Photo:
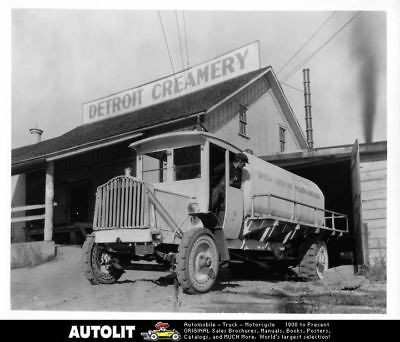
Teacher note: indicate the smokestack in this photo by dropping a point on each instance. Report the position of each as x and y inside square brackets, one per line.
[307, 107]
[37, 132]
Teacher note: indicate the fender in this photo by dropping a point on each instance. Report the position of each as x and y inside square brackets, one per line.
[222, 246]
[211, 222]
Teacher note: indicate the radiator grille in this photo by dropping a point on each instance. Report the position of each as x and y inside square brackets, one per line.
[120, 203]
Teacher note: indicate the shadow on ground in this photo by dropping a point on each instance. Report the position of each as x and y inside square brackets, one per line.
[251, 288]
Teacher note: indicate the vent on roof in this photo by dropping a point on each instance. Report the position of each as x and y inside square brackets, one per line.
[37, 134]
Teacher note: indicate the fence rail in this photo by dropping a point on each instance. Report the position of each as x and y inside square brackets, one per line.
[30, 217]
[27, 207]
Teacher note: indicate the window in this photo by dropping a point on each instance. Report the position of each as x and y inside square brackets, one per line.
[187, 163]
[154, 167]
[243, 120]
[282, 138]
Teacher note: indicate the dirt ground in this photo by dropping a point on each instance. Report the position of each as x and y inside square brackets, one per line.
[60, 285]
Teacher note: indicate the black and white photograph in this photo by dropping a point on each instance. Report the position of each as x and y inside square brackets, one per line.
[184, 160]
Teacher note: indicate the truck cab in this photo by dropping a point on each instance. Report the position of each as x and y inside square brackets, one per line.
[184, 163]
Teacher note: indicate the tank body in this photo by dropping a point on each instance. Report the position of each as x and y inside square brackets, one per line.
[261, 177]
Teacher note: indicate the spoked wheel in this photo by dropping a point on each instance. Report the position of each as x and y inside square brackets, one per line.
[314, 260]
[98, 264]
[197, 261]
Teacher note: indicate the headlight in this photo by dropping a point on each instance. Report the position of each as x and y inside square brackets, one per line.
[193, 206]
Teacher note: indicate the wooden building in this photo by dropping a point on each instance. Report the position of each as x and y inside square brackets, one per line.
[56, 179]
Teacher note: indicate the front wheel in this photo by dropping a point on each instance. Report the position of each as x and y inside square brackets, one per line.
[97, 263]
[154, 337]
[314, 260]
[197, 261]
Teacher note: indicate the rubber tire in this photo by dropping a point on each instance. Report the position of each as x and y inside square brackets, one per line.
[176, 337]
[307, 269]
[184, 261]
[91, 269]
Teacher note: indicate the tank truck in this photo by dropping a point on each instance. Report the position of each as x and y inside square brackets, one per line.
[163, 215]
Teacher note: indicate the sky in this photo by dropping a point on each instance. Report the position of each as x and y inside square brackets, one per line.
[63, 58]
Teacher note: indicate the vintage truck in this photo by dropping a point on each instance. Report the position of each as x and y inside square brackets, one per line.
[163, 215]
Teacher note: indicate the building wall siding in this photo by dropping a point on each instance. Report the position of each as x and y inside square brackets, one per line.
[264, 117]
[373, 175]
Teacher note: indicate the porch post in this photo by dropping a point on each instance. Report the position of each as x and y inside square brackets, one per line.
[49, 199]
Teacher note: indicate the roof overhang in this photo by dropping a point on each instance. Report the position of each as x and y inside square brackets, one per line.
[73, 151]
[330, 154]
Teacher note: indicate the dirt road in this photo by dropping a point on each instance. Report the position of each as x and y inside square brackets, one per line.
[60, 285]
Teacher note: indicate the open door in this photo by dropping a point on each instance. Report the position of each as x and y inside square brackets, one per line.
[233, 206]
[359, 244]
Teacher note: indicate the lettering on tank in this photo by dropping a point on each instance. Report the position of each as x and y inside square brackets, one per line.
[285, 184]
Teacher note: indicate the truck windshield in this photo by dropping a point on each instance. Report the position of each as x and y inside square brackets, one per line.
[154, 167]
[187, 163]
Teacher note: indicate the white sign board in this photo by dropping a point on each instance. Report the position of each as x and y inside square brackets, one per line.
[217, 70]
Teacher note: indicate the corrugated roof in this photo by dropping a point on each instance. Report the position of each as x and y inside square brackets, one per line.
[124, 124]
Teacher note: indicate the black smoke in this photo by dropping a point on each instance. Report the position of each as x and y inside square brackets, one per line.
[368, 37]
[369, 96]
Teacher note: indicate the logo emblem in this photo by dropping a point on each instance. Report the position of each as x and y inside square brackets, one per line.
[161, 332]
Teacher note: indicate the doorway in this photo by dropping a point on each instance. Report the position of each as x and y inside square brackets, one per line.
[79, 202]
[334, 178]
[217, 175]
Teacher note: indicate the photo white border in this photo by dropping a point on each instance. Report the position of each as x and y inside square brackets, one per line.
[392, 7]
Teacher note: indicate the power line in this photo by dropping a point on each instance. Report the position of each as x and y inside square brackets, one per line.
[169, 55]
[166, 43]
[290, 86]
[187, 59]
[180, 40]
[184, 30]
[183, 62]
[305, 44]
[300, 65]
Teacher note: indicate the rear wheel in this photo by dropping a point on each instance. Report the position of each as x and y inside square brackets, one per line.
[176, 337]
[98, 264]
[197, 261]
[314, 260]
